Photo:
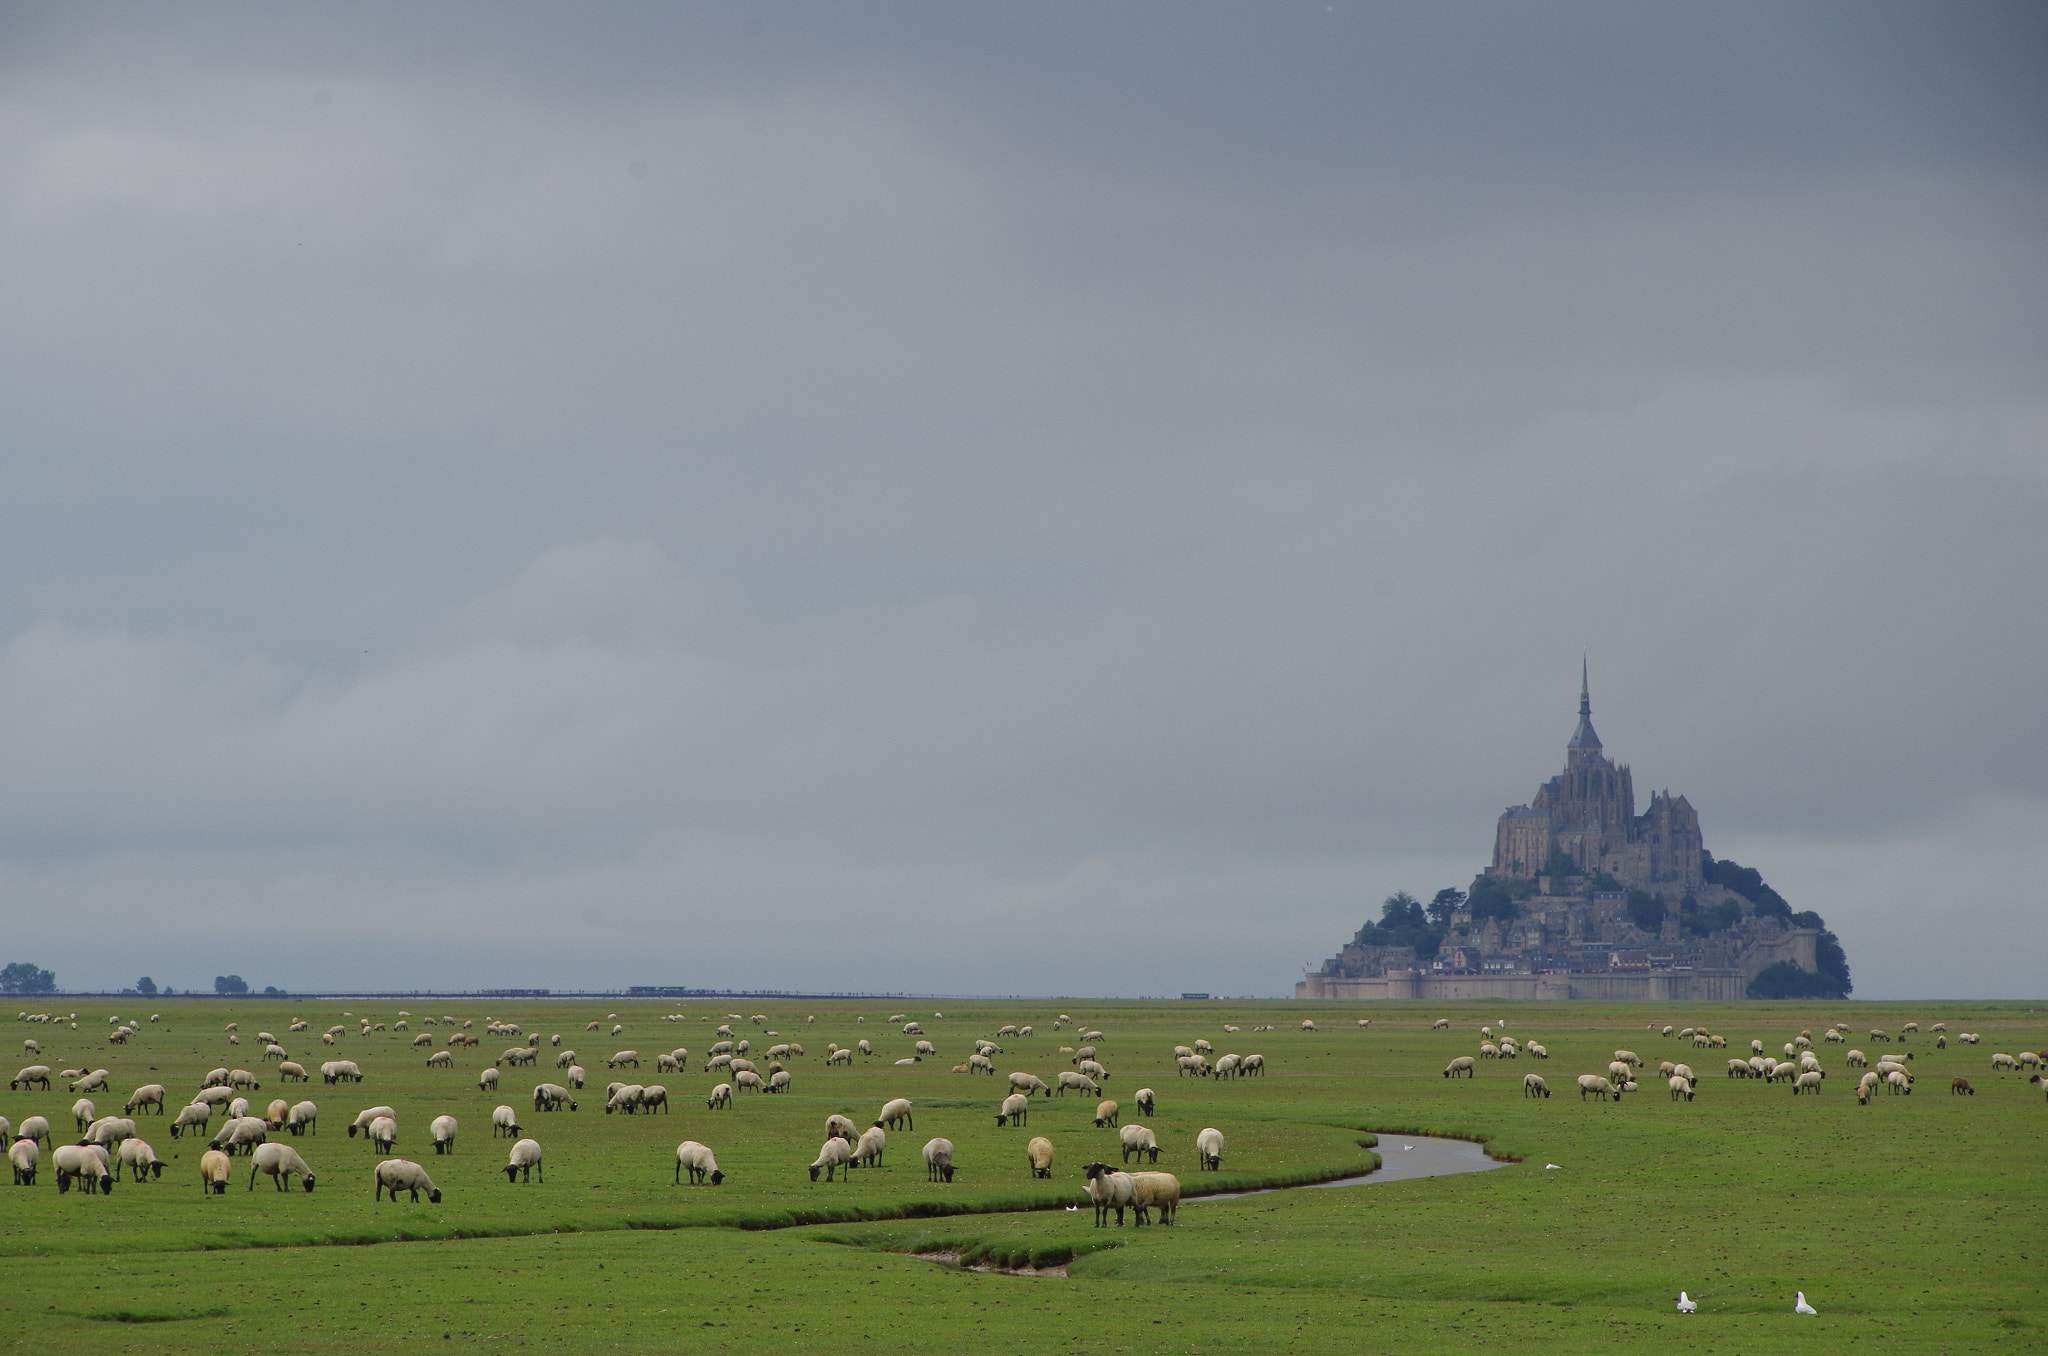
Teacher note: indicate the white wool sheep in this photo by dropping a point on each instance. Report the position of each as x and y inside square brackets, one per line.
[24, 1155]
[1106, 1114]
[868, 1152]
[1463, 1064]
[85, 1164]
[109, 1130]
[96, 1081]
[442, 1132]
[697, 1160]
[242, 1132]
[383, 1133]
[304, 1117]
[1138, 1139]
[1110, 1189]
[84, 1112]
[835, 1154]
[1595, 1085]
[487, 1080]
[842, 1127]
[524, 1159]
[337, 1071]
[938, 1160]
[1896, 1082]
[1534, 1086]
[1038, 1155]
[291, 1071]
[895, 1114]
[140, 1160]
[274, 1114]
[238, 1108]
[193, 1117]
[397, 1174]
[623, 1058]
[552, 1097]
[282, 1163]
[1681, 1091]
[1144, 1098]
[625, 1098]
[365, 1116]
[721, 1096]
[1440, 1024]
[1809, 1081]
[1152, 1191]
[1016, 1110]
[1209, 1149]
[214, 1170]
[504, 1122]
[1618, 1070]
[1028, 1084]
[1068, 1080]
[149, 1094]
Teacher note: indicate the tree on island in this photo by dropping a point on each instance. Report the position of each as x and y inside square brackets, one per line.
[25, 977]
[226, 985]
[145, 985]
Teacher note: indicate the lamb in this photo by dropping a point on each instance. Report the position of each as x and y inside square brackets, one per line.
[1038, 1155]
[442, 1132]
[383, 1133]
[302, 1118]
[1597, 1086]
[24, 1154]
[938, 1160]
[524, 1159]
[35, 1128]
[1138, 1139]
[1463, 1064]
[1155, 1191]
[1110, 1189]
[281, 1162]
[835, 1154]
[895, 1114]
[363, 1118]
[214, 1170]
[840, 1126]
[1209, 1149]
[721, 1096]
[149, 1094]
[873, 1140]
[2004, 1063]
[1016, 1110]
[1534, 1086]
[397, 1174]
[1105, 1114]
[85, 1164]
[1143, 1097]
[1961, 1087]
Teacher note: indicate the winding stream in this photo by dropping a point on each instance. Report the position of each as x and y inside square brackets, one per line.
[1401, 1157]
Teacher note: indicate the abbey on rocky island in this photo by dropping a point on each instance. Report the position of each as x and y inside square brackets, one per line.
[1585, 899]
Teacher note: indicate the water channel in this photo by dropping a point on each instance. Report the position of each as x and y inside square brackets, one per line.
[1402, 1157]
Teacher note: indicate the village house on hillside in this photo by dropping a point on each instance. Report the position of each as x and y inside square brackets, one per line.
[1585, 899]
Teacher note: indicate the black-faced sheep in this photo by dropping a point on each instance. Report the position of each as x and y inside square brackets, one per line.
[698, 1160]
[24, 1155]
[1534, 1086]
[938, 1160]
[281, 1162]
[835, 1154]
[895, 1114]
[1016, 1110]
[1152, 1191]
[442, 1132]
[85, 1164]
[397, 1174]
[215, 1168]
[525, 1158]
[1110, 1189]
[1138, 1139]
[1209, 1149]
[1038, 1155]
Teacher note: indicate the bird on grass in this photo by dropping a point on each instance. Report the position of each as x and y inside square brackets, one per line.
[1800, 1306]
[1686, 1305]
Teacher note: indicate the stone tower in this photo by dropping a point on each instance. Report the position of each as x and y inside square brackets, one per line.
[1588, 814]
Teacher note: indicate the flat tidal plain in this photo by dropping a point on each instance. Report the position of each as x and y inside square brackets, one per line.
[1917, 1221]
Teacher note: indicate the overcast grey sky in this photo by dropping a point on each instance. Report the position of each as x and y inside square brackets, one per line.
[1065, 499]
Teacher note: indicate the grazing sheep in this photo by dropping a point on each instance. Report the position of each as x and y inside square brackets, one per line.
[525, 1157]
[487, 1081]
[623, 1058]
[238, 1108]
[368, 1114]
[1463, 1064]
[873, 1140]
[1028, 1084]
[85, 1164]
[1154, 1191]
[568, 1057]
[2004, 1063]
[1110, 1189]
[835, 1154]
[1077, 1082]
[1440, 1024]
[35, 1128]
[625, 1097]
[242, 1078]
[844, 1055]
[1896, 1082]
[697, 1160]
[749, 1081]
[84, 1112]
[938, 1160]
[214, 1170]
[1209, 1149]
[577, 1076]
[553, 1096]
[240, 1132]
[895, 1114]
[291, 1071]
[397, 1174]
[340, 1071]
[1105, 1114]
[1597, 1086]
[1138, 1139]
[1038, 1155]
[840, 1126]
[442, 1132]
[149, 1094]
[1809, 1081]
[1143, 1097]
[1961, 1087]
[721, 1096]
[1016, 1110]
[24, 1155]
[96, 1081]
[304, 1117]
[281, 1162]
[1681, 1091]
[193, 1117]
[383, 1133]
[504, 1122]
[1534, 1086]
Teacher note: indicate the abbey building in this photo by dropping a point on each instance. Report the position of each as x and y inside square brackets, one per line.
[1584, 898]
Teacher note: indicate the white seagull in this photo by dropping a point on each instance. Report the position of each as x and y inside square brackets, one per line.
[1800, 1306]
[1685, 1305]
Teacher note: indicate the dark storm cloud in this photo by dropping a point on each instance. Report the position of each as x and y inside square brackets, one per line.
[937, 484]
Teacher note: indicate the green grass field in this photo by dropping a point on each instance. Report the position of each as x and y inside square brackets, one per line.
[1915, 1221]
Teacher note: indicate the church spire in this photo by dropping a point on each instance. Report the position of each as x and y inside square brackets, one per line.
[1583, 737]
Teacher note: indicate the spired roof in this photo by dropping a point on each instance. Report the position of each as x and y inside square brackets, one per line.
[1583, 737]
